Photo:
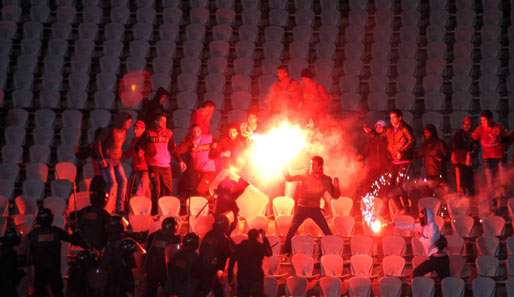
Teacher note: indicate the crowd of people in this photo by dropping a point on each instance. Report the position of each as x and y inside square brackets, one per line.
[188, 266]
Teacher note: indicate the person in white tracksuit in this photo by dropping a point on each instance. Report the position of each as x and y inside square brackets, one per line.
[433, 243]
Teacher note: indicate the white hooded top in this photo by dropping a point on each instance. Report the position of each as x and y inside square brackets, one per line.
[429, 233]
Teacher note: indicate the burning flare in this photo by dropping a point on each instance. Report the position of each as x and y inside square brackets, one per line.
[271, 152]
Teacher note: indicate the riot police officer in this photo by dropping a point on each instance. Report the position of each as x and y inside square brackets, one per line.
[10, 273]
[215, 249]
[157, 245]
[45, 253]
[92, 220]
[185, 268]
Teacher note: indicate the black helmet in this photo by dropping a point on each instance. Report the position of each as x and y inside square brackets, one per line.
[44, 217]
[169, 224]
[221, 223]
[98, 191]
[11, 237]
[128, 245]
[191, 241]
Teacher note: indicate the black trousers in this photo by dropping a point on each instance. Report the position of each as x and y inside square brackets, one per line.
[466, 179]
[439, 265]
[45, 279]
[247, 286]
[300, 215]
[162, 184]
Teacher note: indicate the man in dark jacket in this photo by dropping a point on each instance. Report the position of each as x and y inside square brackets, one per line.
[463, 147]
[215, 249]
[249, 256]
[45, 253]
[157, 245]
[434, 153]
[310, 190]
[377, 157]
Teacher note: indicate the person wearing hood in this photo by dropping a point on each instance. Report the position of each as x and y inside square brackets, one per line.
[433, 243]
[434, 152]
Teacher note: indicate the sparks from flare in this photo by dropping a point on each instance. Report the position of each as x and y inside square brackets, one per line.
[271, 152]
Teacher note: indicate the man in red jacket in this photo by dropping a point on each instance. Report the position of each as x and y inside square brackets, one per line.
[492, 138]
[159, 146]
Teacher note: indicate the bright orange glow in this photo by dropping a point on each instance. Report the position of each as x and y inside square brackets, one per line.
[376, 226]
[271, 152]
[133, 87]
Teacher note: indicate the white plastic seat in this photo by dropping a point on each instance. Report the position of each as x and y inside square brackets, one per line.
[172, 15]
[168, 32]
[186, 100]
[199, 15]
[33, 188]
[169, 206]
[140, 205]
[431, 203]
[302, 244]
[165, 48]
[218, 48]
[9, 171]
[303, 265]
[248, 33]
[296, 286]
[463, 225]
[88, 31]
[423, 287]
[243, 66]
[241, 83]
[278, 17]
[6, 188]
[282, 224]
[493, 226]
[43, 136]
[452, 287]
[217, 65]
[487, 266]
[39, 153]
[114, 31]
[61, 31]
[332, 265]
[483, 287]
[225, 16]
[17, 117]
[222, 32]
[332, 245]
[283, 206]
[14, 135]
[36, 171]
[12, 154]
[359, 287]
[39, 13]
[32, 30]
[252, 203]
[343, 226]
[361, 245]
[390, 286]
[78, 201]
[141, 222]
[341, 206]
[241, 100]
[142, 31]
[92, 14]
[145, 15]
[202, 224]
[57, 47]
[66, 152]
[455, 244]
[330, 17]
[393, 245]
[66, 170]
[393, 265]
[61, 188]
[487, 245]
[120, 15]
[330, 286]
[192, 48]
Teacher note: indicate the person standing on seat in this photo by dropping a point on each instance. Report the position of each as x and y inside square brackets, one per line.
[310, 190]
[159, 146]
[316, 100]
[249, 255]
[215, 249]
[462, 150]
[139, 183]
[202, 116]
[284, 97]
[45, 254]
[156, 261]
[492, 137]
[434, 153]
[109, 147]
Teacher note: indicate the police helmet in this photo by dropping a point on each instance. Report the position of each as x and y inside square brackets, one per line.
[44, 217]
[169, 224]
[191, 241]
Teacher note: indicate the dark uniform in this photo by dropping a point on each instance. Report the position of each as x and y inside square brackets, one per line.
[45, 252]
[155, 264]
[185, 269]
[118, 264]
[215, 249]
[227, 193]
[91, 223]
[250, 276]
[10, 273]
